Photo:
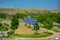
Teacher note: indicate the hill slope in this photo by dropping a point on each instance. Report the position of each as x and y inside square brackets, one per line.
[26, 10]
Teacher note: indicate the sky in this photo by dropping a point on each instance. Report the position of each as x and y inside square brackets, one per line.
[44, 4]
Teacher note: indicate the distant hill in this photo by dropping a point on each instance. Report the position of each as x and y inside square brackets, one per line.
[26, 10]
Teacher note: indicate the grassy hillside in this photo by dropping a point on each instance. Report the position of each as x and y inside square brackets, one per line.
[26, 10]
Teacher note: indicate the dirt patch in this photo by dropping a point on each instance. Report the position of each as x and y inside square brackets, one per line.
[22, 29]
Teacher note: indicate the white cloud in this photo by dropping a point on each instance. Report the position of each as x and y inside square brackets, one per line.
[7, 6]
[4, 6]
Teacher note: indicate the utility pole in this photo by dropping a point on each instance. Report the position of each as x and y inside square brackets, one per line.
[58, 6]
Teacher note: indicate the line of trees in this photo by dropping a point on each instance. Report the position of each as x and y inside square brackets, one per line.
[46, 19]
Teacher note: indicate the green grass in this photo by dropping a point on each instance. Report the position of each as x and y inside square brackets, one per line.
[33, 35]
[55, 30]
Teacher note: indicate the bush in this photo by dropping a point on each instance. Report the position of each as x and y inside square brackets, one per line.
[10, 33]
[33, 35]
[4, 28]
[55, 30]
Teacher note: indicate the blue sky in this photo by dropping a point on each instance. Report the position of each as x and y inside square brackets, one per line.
[44, 4]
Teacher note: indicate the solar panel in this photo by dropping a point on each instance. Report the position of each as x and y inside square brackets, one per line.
[30, 20]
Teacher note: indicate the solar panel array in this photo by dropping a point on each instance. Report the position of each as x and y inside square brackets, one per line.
[30, 20]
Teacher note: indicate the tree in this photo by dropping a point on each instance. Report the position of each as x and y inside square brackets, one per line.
[14, 23]
[57, 18]
[41, 17]
[3, 15]
[48, 24]
[53, 16]
[20, 15]
[46, 20]
[36, 28]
